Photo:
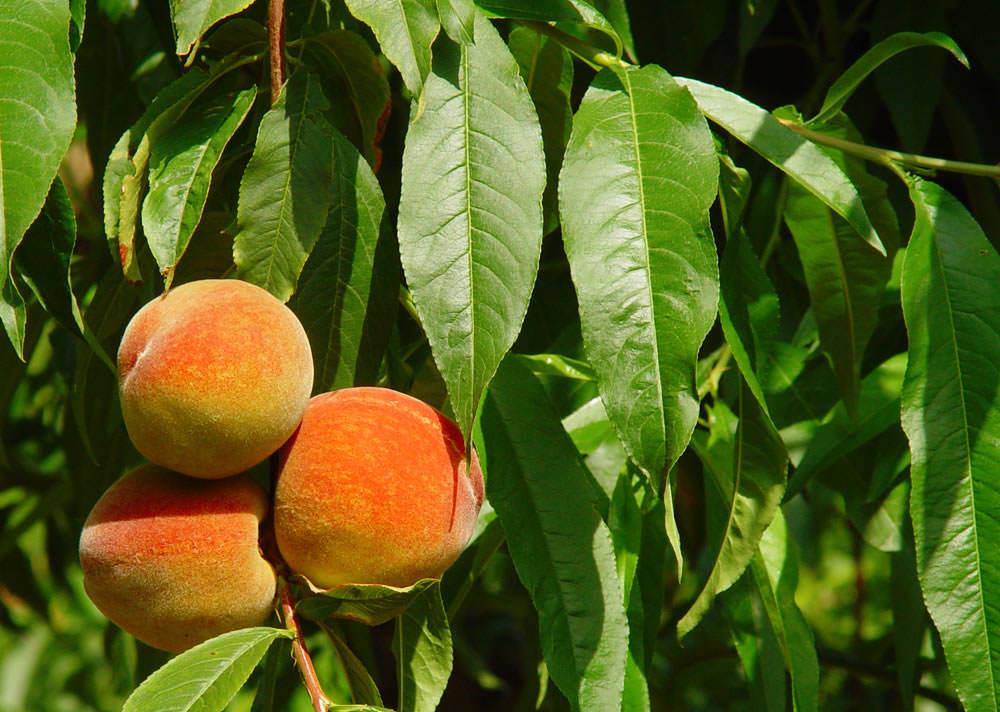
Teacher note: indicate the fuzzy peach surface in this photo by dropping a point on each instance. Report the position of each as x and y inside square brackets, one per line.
[213, 376]
[175, 560]
[373, 488]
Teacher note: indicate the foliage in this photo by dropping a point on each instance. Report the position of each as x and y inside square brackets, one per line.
[731, 370]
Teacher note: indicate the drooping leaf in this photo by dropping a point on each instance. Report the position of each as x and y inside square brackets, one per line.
[364, 691]
[405, 29]
[458, 19]
[192, 18]
[349, 69]
[909, 618]
[348, 288]
[572, 13]
[561, 549]
[37, 118]
[180, 173]
[745, 461]
[204, 678]
[423, 650]
[798, 158]
[285, 189]
[617, 14]
[277, 657]
[470, 213]
[839, 434]
[639, 175]
[952, 419]
[840, 91]
[547, 70]
[756, 645]
[775, 571]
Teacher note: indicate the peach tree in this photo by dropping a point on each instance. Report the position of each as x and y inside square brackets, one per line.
[712, 289]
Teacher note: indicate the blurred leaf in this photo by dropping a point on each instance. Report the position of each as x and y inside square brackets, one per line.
[754, 17]
[348, 68]
[422, 646]
[470, 213]
[192, 18]
[207, 676]
[639, 175]
[909, 618]
[285, 189]
[405, 31]
[264, 699]
[839, 434]
[573, 13]
[37, 118]
[180, 174]
[560, 547]
[756, 645]
[775, 573]
[458, 19]
[798, 158]
[345, 273]
[846, 83]
[745, 461]
[371, 604]
[547, 70]
[951, 416]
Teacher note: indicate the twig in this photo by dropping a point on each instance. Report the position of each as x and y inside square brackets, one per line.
[276, 44]
[320, 702]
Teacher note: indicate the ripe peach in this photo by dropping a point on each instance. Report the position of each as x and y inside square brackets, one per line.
[175, 560]
[214, 376]
[374, 488]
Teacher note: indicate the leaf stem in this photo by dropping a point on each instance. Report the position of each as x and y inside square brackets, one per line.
[888, 157]
[320, 702]
[588, 53]
[276, 44]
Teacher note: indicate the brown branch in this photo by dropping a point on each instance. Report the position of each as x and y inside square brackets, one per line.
[320, 702]
[276, 43]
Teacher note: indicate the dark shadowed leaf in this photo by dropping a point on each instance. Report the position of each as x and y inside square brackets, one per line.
[285, 190]
[639, 175]
[423, 650]
[470, 213]
[371, 604]
[348, 282]
[760, 655]
[204, 678]
[364, 691]
[405, 30]
[573, 13]
[951, 417]
[797, 157]
[180, 173]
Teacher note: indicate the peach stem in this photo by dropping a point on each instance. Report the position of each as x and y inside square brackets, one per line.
[320, 702]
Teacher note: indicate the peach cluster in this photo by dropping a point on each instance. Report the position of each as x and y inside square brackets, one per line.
[373, 486]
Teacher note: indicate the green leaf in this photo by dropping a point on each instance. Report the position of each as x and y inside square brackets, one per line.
[560, 547]
[180, 174]
[371, 604]
[617, 14]
[192, 18]
[206, 677]
[756, 645]
[285, 189]
[952, 419]
[37, 119]
[798, 158]
[748, 311]
[572, 13]
[909, 618]
[639, 175]
[556, 365]
[349, 69]
[422, 646]
[275, 661]
[839, 435]
[364, 691]
[775, 571]
[346, 281]
[845, 277]
[405, 29]
[458, 19]
[846, 83]
[470, 213]
[745, 461]
[547, 70]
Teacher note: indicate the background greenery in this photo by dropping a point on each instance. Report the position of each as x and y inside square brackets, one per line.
[744, 455]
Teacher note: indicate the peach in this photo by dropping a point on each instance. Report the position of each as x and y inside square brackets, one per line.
[374, 488]
[214, 376]
[175, 560]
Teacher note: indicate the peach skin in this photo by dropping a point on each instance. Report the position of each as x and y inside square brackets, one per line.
[214, 376]
[373, 488]
[175, 560]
